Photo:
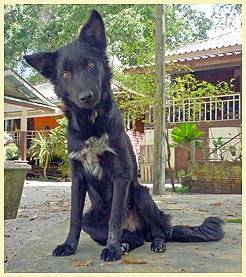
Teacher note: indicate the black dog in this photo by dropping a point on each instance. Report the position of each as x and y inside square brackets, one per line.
[122, 214]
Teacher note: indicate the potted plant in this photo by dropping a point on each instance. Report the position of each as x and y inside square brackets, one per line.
[14, 177]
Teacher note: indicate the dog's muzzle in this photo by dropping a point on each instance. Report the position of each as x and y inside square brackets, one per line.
[86, 96]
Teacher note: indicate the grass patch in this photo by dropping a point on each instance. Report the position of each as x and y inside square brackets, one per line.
[233, 220]
[182, 189]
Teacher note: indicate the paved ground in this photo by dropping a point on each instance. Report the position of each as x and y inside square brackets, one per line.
[42, 223]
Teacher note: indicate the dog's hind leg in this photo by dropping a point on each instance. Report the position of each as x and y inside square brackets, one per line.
[95, 223]
[130, 240]
[153, 217]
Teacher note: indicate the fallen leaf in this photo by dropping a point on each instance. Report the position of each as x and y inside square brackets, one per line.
[171, 202]
[9, 257]
[216, 204]
[202, 210]
[81, 263]
[230, 214]
[22, 215]
[130, 260]
[32, 218]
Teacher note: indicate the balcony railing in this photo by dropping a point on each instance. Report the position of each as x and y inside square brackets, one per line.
[29, 135]
[209, 108]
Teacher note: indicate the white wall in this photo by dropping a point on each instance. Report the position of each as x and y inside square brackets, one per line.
[149, 140]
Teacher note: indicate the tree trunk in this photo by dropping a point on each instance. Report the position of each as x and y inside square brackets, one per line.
[169, 162]
[159, 103]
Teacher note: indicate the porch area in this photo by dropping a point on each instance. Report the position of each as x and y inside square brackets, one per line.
[217, 116]
[202, 109]
[23, 102]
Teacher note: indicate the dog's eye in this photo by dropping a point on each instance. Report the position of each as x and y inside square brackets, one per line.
[90, 64]
[66, 74]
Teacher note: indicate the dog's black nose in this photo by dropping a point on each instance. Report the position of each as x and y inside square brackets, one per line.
[86, 96]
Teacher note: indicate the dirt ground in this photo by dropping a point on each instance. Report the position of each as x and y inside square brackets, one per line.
[43, 220]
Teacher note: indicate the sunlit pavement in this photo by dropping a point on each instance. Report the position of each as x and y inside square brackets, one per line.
[43, 221]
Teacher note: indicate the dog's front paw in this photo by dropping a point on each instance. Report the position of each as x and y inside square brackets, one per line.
[111, 253]
[158, 245]
[63, 250]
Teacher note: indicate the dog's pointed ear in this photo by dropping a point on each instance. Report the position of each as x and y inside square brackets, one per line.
[44, 62]
[93, 31]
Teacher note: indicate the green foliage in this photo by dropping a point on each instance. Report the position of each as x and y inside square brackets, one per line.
[222, 149]
[143, 87]
[185, 133]
[129, 28]
[53, 144]
[187, 86]
[181, 173]
[182, 87]
[232, 150]
[226, 15]
[59, 139]
[199, 144]
[184, 189]
[217, 143]
[41, 151]
[219, 147]
[12, 152]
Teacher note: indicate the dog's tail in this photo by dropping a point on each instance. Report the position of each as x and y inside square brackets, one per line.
[209, 230]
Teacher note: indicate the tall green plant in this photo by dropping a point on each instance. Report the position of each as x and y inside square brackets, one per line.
[54, 144]
[41, 151]
[184, 135]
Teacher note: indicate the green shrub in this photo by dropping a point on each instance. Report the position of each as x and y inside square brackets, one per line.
[12, 152]
[41, 151]
[59, 139]
[45, 147]
[183, 189]
[186, 133]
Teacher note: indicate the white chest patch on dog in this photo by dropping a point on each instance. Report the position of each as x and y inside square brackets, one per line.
[89, 154]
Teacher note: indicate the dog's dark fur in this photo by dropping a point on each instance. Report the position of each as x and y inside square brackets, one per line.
[122, 214]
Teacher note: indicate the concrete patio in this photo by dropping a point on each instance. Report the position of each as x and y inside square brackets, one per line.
[43, 221]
